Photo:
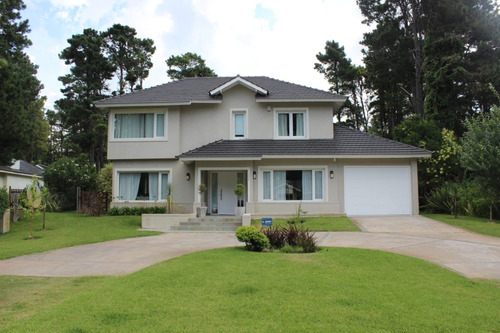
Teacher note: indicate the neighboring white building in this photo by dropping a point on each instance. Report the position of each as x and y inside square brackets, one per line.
[19, 174]
[275, 137]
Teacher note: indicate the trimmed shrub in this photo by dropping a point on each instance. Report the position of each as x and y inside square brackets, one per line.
[127, 211]
[4, 201]
[254, 239]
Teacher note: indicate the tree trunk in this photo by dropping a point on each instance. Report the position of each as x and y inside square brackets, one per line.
[418, 59]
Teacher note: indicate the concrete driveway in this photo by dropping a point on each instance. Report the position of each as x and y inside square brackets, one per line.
[467, 253]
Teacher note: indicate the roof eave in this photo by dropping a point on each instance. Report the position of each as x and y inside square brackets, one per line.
[159, 104]
[297, 100]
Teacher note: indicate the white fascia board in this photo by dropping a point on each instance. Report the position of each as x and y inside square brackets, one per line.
[343, 156]
[133, 105]
[267, 100]
[195, 159]
[242, 81]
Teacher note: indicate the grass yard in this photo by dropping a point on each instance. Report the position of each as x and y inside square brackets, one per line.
[476, 224]
[338, 223]
[67, 229]
[232, 290]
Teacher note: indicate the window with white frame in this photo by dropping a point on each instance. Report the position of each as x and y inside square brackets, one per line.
[283, 185]
[291, 123]
[239, 124]
[139, 125]
[143, 186]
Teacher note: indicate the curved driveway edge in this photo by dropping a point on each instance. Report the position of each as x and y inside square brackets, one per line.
[469, 254]
[117, 257]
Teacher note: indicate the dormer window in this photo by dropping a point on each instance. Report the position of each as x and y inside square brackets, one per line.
[291, 123]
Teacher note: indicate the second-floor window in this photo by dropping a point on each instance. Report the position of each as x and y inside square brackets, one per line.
[239, 124]
[291, 123]
[139, 125]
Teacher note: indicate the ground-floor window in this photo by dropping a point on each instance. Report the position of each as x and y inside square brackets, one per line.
[282, 185]
[145, 186]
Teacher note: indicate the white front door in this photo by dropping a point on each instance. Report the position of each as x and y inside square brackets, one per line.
[223, 198]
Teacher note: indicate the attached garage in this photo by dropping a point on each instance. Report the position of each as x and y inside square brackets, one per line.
[377, 190]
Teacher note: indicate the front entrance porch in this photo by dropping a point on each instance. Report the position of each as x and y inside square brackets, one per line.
[219, 197]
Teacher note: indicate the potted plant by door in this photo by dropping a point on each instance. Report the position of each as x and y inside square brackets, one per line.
[202, 211]
[239, 190]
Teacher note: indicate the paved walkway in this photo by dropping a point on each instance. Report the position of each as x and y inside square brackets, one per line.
[467, 253]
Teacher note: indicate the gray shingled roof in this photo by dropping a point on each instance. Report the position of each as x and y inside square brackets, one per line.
[197, 89]
[24, 168]
[346, 142]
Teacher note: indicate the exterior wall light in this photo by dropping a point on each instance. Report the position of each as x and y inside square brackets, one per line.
[255, 175]
[331, 174]
[188, 176]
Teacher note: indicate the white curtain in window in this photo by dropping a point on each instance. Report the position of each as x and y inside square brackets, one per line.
[147, 125]
[128, 185]
[239, 125]
[299, 124]
[318, 184]
[283, 124]
[164, 186]
[266, 179]
[153, 186]
[160, 125]
[307, 187]
[279, 180]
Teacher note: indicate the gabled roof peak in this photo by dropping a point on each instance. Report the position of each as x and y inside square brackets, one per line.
[238, 80]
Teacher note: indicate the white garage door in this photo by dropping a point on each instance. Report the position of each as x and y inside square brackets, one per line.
[377, 190]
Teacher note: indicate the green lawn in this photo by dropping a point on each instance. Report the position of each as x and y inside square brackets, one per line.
[231, 290]
[340, 223]
[476, 224]
[67, 229]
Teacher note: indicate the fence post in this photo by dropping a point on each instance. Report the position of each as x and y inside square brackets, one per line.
[78, 199]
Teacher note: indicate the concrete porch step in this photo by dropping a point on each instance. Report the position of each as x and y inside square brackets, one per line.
[210, 223]
[204, 228]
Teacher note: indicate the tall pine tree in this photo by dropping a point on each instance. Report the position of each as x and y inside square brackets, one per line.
[23, 130]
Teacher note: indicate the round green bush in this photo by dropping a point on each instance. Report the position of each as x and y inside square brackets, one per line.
[254, 239]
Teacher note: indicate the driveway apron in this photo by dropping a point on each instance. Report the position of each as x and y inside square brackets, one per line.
[467, 253]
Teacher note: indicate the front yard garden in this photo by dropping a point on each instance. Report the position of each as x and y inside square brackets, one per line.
[232, 290]
[67, 229]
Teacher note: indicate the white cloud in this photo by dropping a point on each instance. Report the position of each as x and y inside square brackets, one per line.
[277, 38]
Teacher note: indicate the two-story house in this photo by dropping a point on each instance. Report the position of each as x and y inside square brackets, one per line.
[275, 137]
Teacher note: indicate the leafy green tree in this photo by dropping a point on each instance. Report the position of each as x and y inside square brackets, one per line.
[20, 103]
[130, 55]
[431, 58]
[346, 79]
[188, 65]
[65, 175]
[481, 153]
[87, 82]
[32, 202]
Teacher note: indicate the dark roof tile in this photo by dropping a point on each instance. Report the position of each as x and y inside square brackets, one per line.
[346, 142]
[197, 89]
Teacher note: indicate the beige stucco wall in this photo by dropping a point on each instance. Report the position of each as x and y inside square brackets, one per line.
[186, 197]
[195, 125]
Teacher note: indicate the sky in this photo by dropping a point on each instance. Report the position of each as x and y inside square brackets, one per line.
[275, 38]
